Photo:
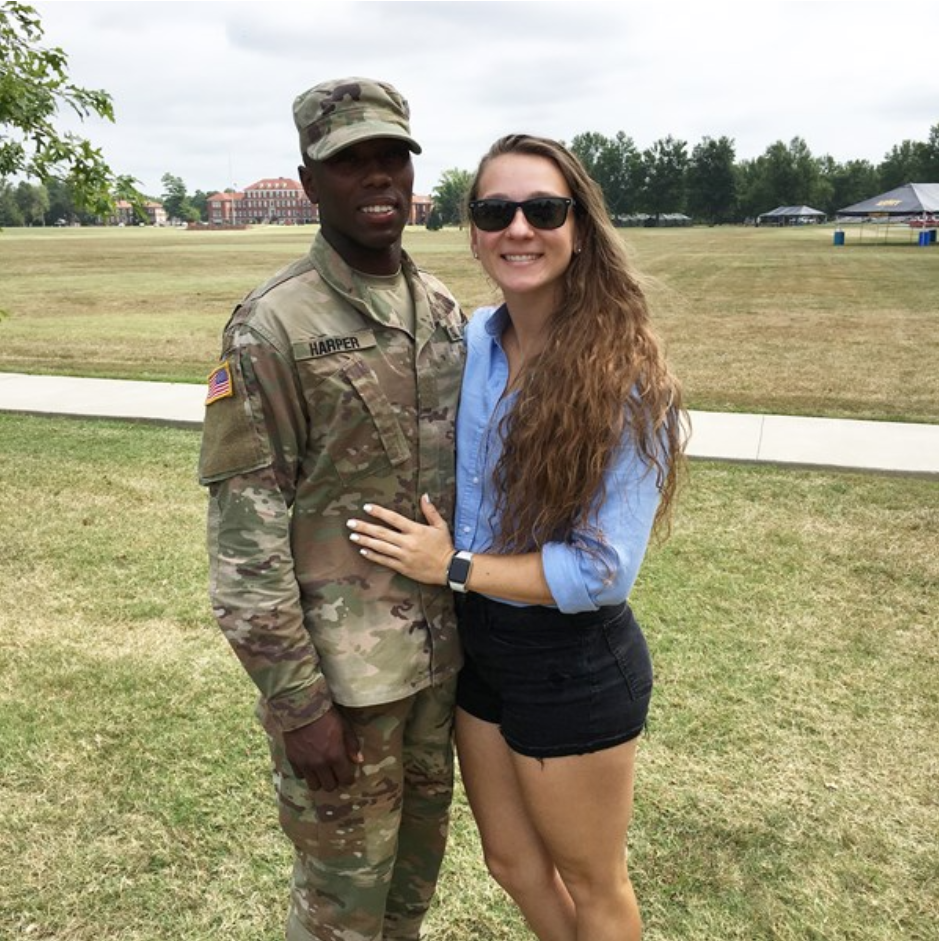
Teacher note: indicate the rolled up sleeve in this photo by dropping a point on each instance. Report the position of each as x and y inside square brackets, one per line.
[586, 572]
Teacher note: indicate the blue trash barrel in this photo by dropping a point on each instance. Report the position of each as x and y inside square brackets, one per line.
[932, 235]
[924, 238]
[839, 237]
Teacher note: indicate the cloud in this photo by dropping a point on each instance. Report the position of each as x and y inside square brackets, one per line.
[204, 90]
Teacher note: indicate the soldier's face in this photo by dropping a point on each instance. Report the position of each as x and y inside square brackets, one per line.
[364, 196]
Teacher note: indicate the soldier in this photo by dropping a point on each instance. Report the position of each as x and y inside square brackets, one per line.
[338, 385]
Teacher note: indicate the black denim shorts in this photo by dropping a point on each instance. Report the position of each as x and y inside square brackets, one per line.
[556, 684]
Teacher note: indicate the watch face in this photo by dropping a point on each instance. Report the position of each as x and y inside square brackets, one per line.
[459, 570]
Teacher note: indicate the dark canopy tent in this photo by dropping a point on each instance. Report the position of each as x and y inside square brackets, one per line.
[914, 205]
[913, 199]
[791, 215]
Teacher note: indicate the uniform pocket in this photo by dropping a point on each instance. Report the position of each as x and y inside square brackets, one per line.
[351, 418]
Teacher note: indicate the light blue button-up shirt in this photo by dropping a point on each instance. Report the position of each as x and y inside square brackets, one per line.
[579, 580]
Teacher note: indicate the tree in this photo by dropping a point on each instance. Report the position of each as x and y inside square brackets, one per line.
[61, 204]
[665, 163]
[587, 147]
[615, 165]
[434, 222]
[450, 196]
[33, 202]
[200, 203]
[34, 85]
[10, 213]
[754, 195]
[843, 184]
[902, 165]
[785, 175]
[930, 158]
[176, 199]
[621, 167]
[811, 189]
[712, 184]
[778, 164]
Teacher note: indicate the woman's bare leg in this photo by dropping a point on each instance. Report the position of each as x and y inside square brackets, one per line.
[515, 853]
[580, 807]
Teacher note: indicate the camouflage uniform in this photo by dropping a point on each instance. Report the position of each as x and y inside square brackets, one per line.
[322, 402]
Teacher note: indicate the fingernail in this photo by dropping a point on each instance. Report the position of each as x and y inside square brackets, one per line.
[355, 537]
[352, 523]
[367, 507]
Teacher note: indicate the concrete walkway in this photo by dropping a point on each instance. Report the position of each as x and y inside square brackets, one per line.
[882, 447]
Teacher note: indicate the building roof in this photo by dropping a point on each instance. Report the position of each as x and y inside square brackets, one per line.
[276, 183]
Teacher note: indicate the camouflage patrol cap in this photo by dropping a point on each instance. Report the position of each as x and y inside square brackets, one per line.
[337, 113]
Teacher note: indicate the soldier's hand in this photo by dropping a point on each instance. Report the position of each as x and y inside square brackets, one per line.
[421, 551]
[325, 753]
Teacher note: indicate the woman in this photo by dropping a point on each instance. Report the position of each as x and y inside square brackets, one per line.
[568, 443]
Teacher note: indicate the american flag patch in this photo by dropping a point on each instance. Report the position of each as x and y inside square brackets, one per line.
[220, 384]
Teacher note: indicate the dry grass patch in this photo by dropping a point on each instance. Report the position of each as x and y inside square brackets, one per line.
[786, 785]
[755, 320]
[781, 321]
[793, 743]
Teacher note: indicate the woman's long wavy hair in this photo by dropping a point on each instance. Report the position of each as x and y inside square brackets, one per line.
[602, 371]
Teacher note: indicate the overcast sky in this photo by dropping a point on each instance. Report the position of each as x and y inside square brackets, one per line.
[203, 90]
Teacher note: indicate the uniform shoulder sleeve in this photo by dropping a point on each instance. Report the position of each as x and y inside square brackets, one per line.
[443, 303]
[234, 439]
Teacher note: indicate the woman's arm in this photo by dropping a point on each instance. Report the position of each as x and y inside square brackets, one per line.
[423, 552]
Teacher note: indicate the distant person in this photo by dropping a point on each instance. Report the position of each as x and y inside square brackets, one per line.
[338, 385]
[569, 440]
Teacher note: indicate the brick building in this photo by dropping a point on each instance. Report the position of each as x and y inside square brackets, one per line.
[280, 200]
[276, 200]
[222, 208]
[124, 213]
[420, 209]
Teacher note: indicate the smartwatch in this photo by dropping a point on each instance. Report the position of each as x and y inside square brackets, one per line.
[458, 571]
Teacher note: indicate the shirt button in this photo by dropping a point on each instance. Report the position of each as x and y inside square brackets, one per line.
[475, 480]
[466, 529]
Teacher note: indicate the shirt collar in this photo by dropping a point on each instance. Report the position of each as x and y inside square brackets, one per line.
[497, 323]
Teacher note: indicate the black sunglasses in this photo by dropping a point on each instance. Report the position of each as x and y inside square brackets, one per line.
[543, 212]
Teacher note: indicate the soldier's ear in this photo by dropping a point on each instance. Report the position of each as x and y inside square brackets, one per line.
[308, 183]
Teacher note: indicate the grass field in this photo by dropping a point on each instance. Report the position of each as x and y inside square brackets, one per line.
[786, 787]
[755, 319]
